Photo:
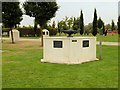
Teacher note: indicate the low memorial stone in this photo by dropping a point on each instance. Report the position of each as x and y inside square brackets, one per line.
[16, 35]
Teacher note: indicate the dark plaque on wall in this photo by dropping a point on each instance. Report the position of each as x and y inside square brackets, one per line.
[85, 43]
[43, 33]
[57, 44]
[74, 40]
[46, 33]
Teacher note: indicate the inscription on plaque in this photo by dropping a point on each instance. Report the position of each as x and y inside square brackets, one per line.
[85, 43]
[57, 44]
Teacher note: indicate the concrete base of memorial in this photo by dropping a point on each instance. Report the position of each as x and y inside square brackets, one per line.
[69, 50]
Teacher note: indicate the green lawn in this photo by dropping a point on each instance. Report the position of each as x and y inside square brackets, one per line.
[108, 38]
[22, 69]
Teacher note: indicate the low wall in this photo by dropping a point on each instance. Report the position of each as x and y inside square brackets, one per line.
[69, 50]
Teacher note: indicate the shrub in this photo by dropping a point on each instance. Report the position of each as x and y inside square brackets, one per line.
[29, 31]
[5, 30]
[25, 31]
[52, 31]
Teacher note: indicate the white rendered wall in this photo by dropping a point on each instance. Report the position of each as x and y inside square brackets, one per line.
[71, 52]
[16, 35]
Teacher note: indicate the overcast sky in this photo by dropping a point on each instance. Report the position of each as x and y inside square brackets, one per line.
[107, 10]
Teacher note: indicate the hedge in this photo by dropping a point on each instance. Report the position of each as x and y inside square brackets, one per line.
[25, 31]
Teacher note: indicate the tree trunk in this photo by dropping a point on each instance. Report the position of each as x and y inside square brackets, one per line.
[41, 36]
[59, 31]
[100, 52]
[12, 36]
[35, 28]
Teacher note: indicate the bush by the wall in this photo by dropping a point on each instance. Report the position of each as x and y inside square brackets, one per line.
[29, 31]
[5, 30]
[25, 31]
[52, 31]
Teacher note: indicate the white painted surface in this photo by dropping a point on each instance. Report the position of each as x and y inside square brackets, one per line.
[45, 33]
[71, 53]
[16, 35]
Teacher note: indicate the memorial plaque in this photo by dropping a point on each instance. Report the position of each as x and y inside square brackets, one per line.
[74, 40]
[85, 43]
[57, 44]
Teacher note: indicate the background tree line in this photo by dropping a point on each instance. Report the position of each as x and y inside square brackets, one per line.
[44, 11]
[28, 31]
[77, 23]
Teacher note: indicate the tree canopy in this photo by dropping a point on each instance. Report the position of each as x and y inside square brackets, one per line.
[94, 32]
[100, 23]
[76, 23]
[113, 25]
[0, 11]
[118, 23]
[11, 14]
[42, 11]
[81, 23]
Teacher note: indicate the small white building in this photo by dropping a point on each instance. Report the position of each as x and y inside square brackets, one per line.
[16, 35]
[68, 50]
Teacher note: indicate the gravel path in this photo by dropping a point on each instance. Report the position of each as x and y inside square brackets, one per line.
[110, 43]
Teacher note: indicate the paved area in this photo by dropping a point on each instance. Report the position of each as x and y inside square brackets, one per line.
[110, 43]
[103, 43]
[23, 39]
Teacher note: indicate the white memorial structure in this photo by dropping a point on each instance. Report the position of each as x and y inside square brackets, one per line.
[16, 35]
[68, 50]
